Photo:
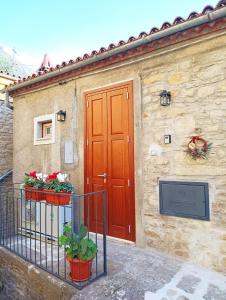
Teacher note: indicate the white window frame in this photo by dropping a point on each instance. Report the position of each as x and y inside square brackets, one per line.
[38, 140]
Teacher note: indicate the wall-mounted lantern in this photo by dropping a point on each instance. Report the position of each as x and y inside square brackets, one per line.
[165, 98]
[61, 116]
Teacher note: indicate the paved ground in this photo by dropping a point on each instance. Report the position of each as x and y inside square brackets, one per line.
[136, 274]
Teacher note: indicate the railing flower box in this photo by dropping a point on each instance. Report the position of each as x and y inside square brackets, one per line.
[54, 188]
[32, 193]
[33, 185]
[57, 198]
[57, 183]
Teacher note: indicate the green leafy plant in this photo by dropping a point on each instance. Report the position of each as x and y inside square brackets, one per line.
[78, 245]
[57, 186]
[39, 184]
[58, 182]
[31, 180]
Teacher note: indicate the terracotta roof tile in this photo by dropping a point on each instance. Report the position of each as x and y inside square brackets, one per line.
[142, 35]
[207, 9]
[221, 3]
[8, 74]
[166, 25]
[178, 20]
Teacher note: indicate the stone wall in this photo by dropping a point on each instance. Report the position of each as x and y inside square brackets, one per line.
[195, 74]
[197, 80]
[20, 280]
[7, 206]
[6, 158]
[6, 138]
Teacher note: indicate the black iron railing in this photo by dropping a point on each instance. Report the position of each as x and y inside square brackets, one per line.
[5, 176]
[32, 226]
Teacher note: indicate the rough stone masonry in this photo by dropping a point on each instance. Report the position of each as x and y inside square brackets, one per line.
[6, 138]
[6, 160]
[195, 74]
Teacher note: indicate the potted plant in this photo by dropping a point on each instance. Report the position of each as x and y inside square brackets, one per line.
[58, 189]
[80, 252]
[33, 185]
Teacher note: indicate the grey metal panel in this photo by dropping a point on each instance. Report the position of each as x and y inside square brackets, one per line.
[184, 199]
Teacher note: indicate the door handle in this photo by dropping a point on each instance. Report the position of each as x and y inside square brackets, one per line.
[104, 175]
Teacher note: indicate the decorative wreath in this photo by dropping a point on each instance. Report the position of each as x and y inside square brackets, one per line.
[198, 147]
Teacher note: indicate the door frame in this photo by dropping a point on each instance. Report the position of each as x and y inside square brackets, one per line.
[128, 84]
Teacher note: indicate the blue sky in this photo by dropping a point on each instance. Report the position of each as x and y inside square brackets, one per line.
[68, 28]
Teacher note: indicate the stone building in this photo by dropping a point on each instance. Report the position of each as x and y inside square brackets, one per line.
[121, 136]
[6, 138]
[6, 145]
[8, 66]
[6, 126]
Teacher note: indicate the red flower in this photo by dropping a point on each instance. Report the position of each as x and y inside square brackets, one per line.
[33, 174]
[52, 176]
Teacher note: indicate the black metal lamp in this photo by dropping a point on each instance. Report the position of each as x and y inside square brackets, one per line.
[165, 98]
[61, 116]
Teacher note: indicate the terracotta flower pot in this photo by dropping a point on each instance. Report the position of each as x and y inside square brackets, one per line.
[80, 270]
[32, 194]
[57, 198]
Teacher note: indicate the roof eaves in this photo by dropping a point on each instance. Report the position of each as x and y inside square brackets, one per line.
[8, 76]
[194, 19]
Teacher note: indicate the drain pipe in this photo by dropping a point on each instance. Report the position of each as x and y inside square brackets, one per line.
[6, 98]
[5, 175]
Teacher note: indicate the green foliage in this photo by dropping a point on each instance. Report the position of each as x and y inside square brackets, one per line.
[39, 184]
[57, 186]
[50, 185]
[33, 182]
[79, 245]
[29, 181]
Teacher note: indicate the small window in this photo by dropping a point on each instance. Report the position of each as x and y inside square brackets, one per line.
[44, 129]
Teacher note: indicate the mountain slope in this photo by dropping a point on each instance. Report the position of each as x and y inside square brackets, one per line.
[9, 64]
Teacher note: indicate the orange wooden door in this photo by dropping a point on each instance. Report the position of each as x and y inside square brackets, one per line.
[109, 161]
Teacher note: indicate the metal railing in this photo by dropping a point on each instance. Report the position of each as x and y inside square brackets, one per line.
[5, 176]
[32, 227]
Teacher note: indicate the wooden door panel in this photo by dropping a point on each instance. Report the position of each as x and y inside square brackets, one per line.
[109, 132]
[118, 206]
[118, 162]
[118, 157]
[96, 211]
[97, 117]
[96, 163]
[116, 105]
[118, 216]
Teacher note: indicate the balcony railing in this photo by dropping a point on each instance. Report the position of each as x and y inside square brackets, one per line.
[32, 228]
